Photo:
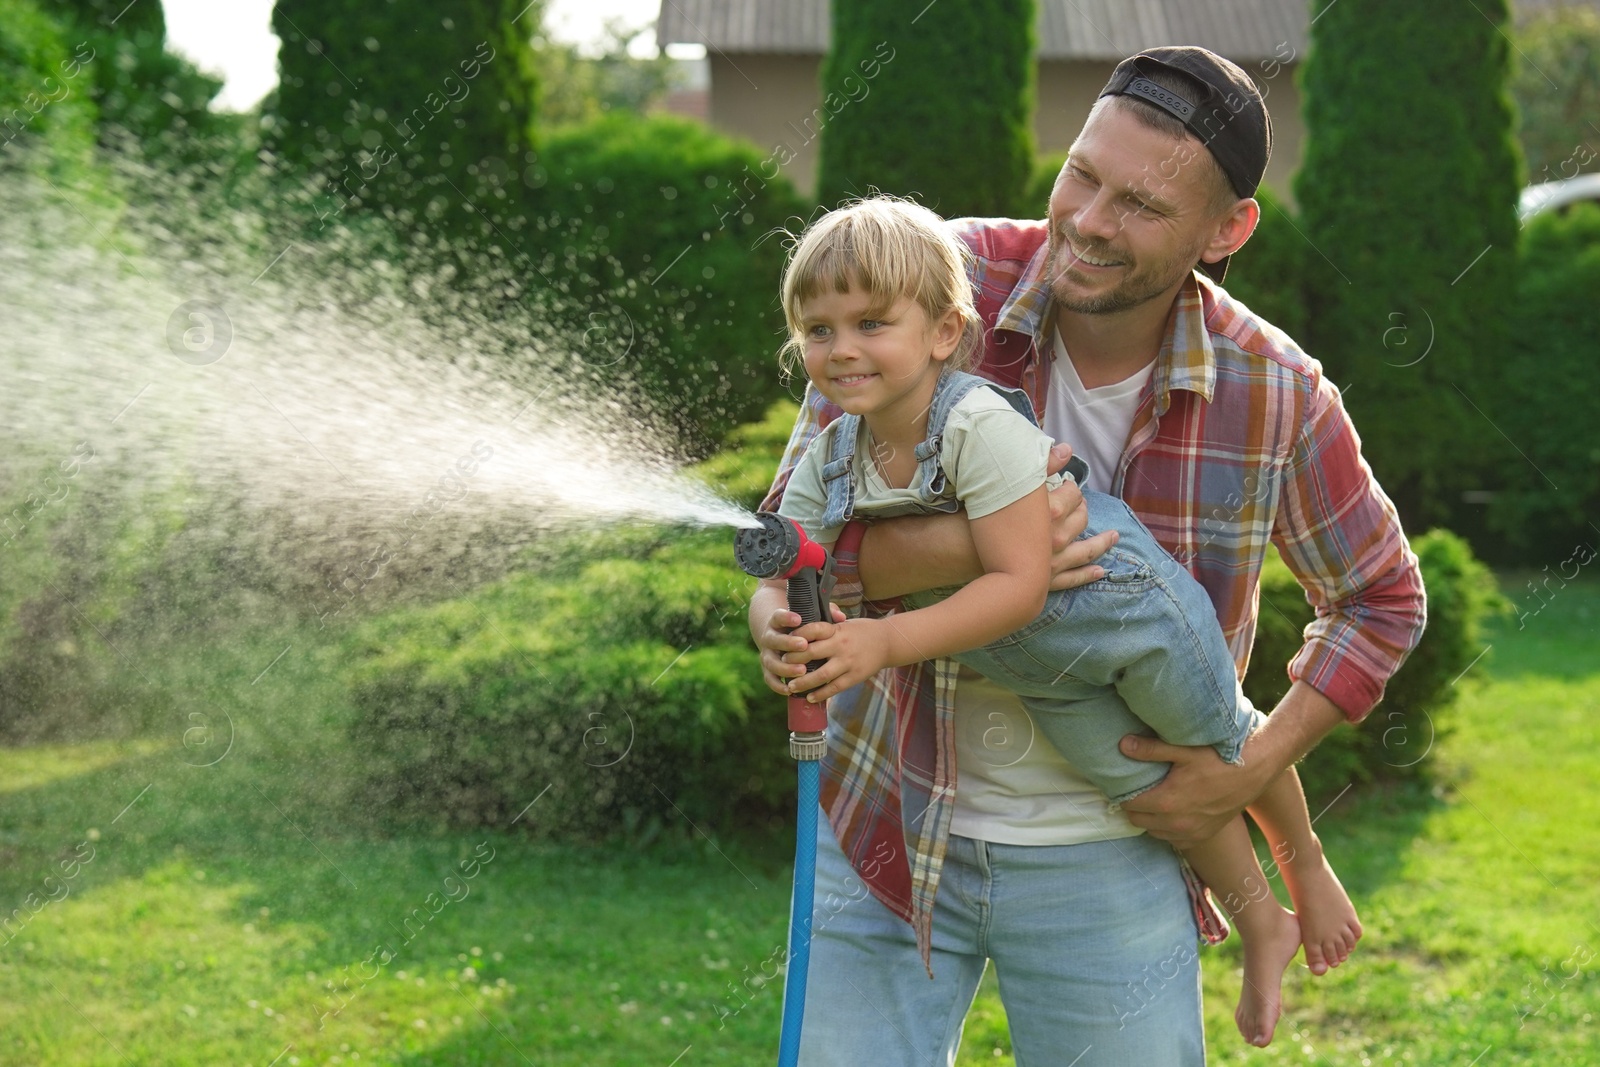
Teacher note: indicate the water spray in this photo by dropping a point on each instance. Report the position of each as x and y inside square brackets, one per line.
[779, 549]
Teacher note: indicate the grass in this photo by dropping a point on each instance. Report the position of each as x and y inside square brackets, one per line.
[256, 911]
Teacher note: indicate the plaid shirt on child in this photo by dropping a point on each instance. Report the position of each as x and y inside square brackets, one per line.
[1238, 443]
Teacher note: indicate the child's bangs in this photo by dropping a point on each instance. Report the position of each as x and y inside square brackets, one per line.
[846, 260]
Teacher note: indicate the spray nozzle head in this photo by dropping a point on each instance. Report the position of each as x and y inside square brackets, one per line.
[778, 548]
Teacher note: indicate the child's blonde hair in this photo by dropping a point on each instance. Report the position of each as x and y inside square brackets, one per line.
[890, 248]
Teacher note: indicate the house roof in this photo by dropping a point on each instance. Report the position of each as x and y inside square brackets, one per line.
[1068, 29]
[1242, 30]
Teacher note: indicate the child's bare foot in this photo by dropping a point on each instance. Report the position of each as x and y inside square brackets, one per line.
[1273, 940]
[1329, 927]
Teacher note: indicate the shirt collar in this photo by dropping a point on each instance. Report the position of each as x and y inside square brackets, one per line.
[1186, 360]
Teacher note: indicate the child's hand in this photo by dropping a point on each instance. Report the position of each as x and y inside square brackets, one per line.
[855, 650]
[780, 638]
[1072, 562]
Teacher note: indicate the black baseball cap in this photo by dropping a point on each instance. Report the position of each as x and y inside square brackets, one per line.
[1223, 109]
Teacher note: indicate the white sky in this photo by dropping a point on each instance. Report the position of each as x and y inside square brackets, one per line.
[234, 39]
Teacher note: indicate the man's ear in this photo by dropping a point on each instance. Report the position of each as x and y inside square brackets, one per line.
[1233, 230]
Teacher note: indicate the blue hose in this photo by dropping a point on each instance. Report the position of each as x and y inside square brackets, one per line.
[805, 881]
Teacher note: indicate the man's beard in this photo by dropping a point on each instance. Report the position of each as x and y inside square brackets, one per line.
[1137, 287]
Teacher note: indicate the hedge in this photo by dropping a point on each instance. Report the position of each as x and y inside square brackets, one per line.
[1550, 481]
[626, 684]
[1397, 740]
[659, 242]
[625, 690]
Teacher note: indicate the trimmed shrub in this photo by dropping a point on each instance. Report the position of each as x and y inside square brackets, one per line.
[1266, 274]
[86, 551]
[1544, 402]
[659, 245]
[626, 684]
[404, 104]
[1408, 193]
[932, 101]
[1397, 739]
[626, 689]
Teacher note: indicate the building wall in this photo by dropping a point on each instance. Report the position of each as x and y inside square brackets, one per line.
[774, 100]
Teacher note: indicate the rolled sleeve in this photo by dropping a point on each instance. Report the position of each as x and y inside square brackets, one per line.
[1341, 536]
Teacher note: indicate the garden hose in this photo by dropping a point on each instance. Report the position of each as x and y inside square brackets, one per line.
[779, 549]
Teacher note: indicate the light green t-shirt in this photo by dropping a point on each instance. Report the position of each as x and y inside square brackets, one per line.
[991, 455]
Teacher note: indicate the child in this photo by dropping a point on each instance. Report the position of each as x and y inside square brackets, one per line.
[880, 313]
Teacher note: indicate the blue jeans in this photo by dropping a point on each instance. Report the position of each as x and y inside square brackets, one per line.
[1137, 652]
[1094, 946]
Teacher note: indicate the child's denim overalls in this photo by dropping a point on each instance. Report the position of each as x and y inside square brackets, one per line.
[1137, 652]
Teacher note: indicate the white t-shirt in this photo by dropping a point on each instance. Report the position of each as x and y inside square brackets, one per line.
[1012, 786]
[1095, 422]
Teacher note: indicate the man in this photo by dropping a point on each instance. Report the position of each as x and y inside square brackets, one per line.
[1224, 438]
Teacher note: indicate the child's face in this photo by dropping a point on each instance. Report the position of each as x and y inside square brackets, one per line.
[883, 364]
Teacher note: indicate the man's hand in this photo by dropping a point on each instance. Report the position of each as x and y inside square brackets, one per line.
[855, 650]
[1198, 797]
[1072, 560]
[1202, 793]
[776, 639]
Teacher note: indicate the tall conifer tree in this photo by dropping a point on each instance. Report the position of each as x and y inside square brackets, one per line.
[1408, 197]
[931, 100]
[424, 106]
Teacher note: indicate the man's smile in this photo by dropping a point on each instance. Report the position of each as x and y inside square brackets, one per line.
[1085, 259]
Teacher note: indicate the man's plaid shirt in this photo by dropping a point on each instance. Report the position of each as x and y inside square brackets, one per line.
[1238, 442]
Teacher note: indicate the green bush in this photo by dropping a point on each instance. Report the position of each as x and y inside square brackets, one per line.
[627, 684]
[659, 248]
[45, 92]
[1266, 274]
[628, 689]
[426, 110]
[742, 472]
[1396, 741]
[932, 101]
[1544, 402]
[85, 548]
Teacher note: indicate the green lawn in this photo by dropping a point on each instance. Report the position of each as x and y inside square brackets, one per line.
[224, 913]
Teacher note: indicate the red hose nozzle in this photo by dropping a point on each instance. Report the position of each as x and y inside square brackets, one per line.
[779, 549]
